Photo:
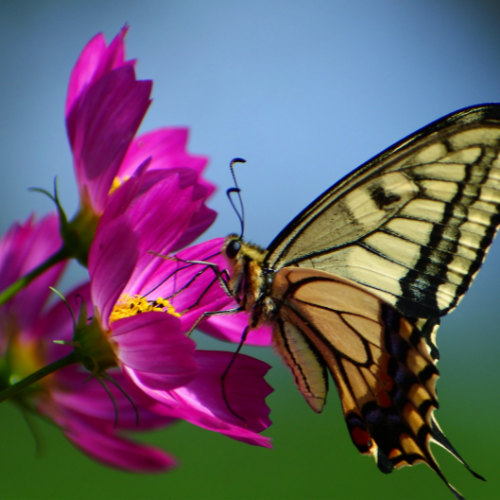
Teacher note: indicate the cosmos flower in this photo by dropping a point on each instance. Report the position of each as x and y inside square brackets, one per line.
[105, 105]
[83, 411]
[130, 284]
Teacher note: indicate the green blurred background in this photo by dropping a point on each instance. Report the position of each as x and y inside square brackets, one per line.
[305, 91]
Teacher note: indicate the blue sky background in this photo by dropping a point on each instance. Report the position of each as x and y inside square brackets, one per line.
[305, 91]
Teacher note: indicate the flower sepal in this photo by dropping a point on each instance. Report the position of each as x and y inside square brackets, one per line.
[92, 346]
[78, 234]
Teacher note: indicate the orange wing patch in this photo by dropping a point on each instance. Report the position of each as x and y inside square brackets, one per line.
[382, 364]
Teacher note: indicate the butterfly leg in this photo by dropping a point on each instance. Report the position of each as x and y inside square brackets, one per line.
[222, 276]
[209, 314]
[226, 372]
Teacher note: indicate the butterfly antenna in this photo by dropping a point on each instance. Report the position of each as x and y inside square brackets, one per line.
[240, 213]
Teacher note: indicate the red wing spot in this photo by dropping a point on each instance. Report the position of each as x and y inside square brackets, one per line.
[360, 437]
[385, 380]
[384, 400]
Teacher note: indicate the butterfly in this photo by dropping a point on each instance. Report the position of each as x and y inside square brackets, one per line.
[356, 284]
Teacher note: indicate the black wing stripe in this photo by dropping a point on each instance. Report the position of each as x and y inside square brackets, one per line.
[427, 144]
[443, 183]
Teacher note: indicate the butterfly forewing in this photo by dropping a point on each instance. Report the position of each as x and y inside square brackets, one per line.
[413, 224]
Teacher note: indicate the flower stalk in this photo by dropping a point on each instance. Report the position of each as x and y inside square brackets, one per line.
[25, 280]
[14, 389]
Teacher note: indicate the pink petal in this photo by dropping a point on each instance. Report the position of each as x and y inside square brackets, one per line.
[205, 293]
[230, 329]
[118, 452]
[153, 345]
[112, 258]
[164, 207]
[161, 216]
[201, 402]
[23, 248]
[168, 149]
[120, 201]
[173, 275]
[201, 221]
[87, 399]
[191, 288]
[245, 388]
[84, 69]
[165, 211]
[94, 61]
[101, 127]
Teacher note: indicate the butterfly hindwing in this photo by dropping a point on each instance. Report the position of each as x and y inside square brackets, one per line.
[413, 224]
[381, 364]
[304, 361]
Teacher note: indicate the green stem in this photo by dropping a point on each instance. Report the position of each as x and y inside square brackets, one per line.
[18, 285]
[70, 359]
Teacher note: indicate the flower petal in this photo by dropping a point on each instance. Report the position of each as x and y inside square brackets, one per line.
[167, 147]
[23, 248]
[159, 216]
[153, 345]
[201, 401]
[193, 288]
[200, 222]
[94, 61]
[165, 211]
[101, 127]
[87, 399]
[112, 258]
[230, 328]
[118, 452]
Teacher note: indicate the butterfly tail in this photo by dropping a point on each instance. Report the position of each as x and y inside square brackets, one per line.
[439, 438]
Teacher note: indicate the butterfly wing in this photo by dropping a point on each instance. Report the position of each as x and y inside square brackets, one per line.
[413, 224]
[381, 364]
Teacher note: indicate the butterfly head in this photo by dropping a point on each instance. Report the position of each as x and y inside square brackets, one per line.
[232, 248]
[236, 250]
[245, 268]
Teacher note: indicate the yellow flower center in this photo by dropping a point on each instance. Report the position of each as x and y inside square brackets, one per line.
[117, 182]
[22, 358]
[130, 305]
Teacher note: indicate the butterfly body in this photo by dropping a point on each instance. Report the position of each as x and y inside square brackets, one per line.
[356, 283]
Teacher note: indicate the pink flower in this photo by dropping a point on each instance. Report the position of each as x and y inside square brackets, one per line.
[146, 196]
[105, 105]
[84, 412]
[152, 344]
[127, 279]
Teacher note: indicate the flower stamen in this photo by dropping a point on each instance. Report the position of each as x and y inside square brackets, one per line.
[117, 182]
[131, 305]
